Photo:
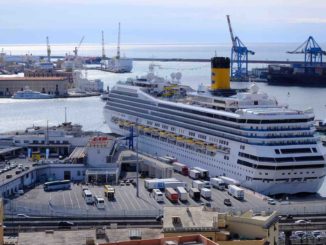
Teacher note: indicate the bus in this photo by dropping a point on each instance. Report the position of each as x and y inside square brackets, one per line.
[109, 192]
[57, 185]
[99, 202]
[88, 196]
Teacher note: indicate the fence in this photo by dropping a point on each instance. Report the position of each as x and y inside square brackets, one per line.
[13, 207]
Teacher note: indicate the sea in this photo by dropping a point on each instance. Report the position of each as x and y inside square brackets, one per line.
[19, 114]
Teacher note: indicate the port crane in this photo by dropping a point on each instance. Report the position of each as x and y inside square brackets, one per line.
[239, 57]
[48, 49]
[77, 48]
[313, 53]
[103, 46]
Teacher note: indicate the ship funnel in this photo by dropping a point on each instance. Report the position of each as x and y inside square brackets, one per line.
[220, 73]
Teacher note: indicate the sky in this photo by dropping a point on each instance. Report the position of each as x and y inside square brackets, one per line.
[161, 21]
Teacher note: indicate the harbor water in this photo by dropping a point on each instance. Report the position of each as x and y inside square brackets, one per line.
[19, 114]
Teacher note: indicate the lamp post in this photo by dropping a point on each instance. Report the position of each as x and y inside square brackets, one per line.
[137, 160]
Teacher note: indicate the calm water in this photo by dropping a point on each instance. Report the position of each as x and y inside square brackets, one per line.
[19, 114]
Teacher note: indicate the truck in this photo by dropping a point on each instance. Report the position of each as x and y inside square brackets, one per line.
[175, 184]
[206, 193]
[171, 194]
[229, 181]
[236, 192]
[194, 193]
[194, 174]
[217, 183]
[204, 174]
[165, 160]
[172, 159]
[183, 194]
[197, 184]
[207, 184]
[158, 195]
[180, 168]
[151, 184]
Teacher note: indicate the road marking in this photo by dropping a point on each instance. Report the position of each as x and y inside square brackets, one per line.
[77, 199]
[70, 200]
[64, 201]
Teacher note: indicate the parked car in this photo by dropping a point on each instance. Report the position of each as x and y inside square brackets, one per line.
[227, 202]
[271, 201]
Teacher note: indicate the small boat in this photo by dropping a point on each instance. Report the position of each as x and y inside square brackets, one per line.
[30, 94]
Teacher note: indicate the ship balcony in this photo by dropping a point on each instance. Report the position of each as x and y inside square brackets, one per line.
[276, 129]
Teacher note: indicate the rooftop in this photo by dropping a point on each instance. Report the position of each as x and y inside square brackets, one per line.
[79, 236]
[190, 218]
[32, 78]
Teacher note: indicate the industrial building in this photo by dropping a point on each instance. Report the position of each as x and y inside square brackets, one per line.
[51, 85]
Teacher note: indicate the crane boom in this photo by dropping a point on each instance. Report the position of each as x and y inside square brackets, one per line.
[231, 31]
[103, 47]
[48, 49]
[77, 48]
[118, 49]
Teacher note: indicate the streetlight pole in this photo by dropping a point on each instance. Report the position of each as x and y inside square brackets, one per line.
[137, 160]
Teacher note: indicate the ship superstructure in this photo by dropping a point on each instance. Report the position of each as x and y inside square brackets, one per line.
[245, 135]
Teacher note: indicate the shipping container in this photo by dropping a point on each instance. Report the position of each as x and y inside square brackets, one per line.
[194, 174]
[171, 194]
[236, 192]
[151, 184]
[183, 194]
[229, 181]
[204, 174]
[206, 193]
[217, 183]
[197, 184]
[194, 193]
[180, 168]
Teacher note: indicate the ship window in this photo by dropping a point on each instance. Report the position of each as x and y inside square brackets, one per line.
[277, 151]
[314, 149]
[255, 102]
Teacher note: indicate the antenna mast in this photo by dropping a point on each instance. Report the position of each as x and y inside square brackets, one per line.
[103, 48]
[118, 50]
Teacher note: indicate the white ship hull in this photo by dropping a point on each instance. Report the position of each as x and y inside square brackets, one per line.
[228, 168]
[121, 65]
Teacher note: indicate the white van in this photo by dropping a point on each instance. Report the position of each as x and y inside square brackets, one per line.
[87, 194]
[158, 195]
[99, 202]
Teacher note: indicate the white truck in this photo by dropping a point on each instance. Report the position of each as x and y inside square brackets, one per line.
[236, 192]
[204, 174]
[183, 194]
[175, 184]
[194, 174]
[151, 184]
[206, 193]
[229, 181]
[198, 184]
[217, 183]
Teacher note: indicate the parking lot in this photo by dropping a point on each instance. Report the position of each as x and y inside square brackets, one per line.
[71, 202]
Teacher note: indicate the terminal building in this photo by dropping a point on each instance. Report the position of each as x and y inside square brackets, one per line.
[51, 85]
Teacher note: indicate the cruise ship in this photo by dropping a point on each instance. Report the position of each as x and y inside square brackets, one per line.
[245, 135]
